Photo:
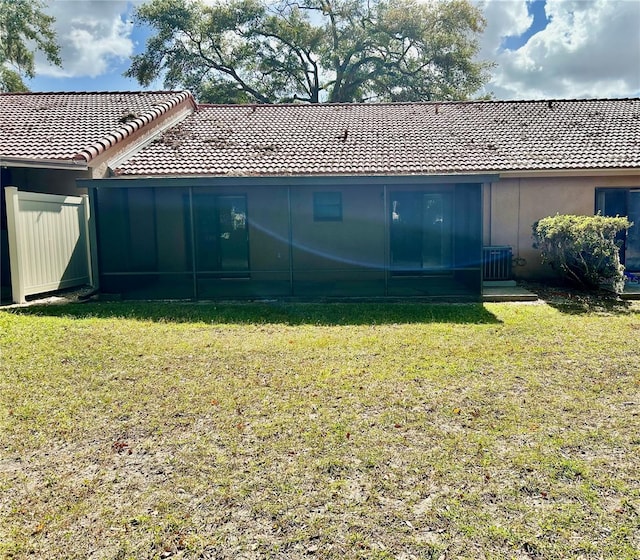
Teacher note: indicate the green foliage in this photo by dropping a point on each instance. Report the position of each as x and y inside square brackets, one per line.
[583, 248]
[23, 28]
[341, 51]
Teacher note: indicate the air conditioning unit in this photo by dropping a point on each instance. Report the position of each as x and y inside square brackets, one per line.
[496, 262]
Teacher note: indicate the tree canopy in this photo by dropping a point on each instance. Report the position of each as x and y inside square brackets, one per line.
[24, 28]
[313, 50]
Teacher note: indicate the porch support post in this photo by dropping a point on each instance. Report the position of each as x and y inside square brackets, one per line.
[290, 241]
[192, 231]
[385, 203]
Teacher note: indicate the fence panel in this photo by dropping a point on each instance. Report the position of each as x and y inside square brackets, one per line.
[48, 242]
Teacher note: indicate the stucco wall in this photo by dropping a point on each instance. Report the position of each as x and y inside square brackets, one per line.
[512, 205]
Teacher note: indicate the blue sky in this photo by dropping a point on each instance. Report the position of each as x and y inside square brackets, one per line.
[542, 48]
[539, 21]
[107, 24]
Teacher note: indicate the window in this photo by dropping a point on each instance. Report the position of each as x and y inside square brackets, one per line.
[327, 207]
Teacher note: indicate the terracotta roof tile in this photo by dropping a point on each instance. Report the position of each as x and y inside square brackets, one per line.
[68, 126]
[380, 139]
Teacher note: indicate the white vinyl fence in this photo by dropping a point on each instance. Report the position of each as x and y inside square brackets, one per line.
[48, 242]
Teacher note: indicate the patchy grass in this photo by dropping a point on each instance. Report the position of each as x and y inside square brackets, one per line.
[144, 430]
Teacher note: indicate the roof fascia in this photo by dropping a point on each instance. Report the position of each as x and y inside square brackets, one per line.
[283, 181]
[550, 173]
[74, 165]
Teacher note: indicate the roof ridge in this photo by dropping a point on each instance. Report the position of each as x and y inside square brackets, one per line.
[128, 128]
[423, 103]
[98, 92]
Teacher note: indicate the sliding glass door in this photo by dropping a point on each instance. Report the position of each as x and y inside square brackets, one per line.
[221, 235]
[624, 202]
[421, 232]
[632, 253]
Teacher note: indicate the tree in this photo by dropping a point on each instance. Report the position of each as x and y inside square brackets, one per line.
[313, 51]
[584, 249]
[24, 27]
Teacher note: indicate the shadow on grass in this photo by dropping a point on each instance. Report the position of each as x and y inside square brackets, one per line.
[586, 307]
[279, 313]
[573, 301]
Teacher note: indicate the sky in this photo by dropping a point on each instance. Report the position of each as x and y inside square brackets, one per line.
[543, 49]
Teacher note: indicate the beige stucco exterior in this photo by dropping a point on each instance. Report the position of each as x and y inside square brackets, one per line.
[512, 204]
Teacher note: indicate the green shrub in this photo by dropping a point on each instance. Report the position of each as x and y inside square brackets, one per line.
[583, 249]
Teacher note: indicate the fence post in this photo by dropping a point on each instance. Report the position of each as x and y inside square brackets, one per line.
[86, 208]
[13, 212]
[92, 240]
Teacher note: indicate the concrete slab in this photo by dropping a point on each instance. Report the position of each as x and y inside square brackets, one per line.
[507, 293]
[499, 283]
[631, 291]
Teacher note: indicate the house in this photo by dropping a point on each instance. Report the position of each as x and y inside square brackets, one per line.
[47, 142]
[366, 200]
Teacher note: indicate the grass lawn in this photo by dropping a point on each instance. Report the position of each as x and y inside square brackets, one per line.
[168, 430]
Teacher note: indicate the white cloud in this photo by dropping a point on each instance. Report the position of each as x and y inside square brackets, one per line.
[94, 36]
[588, 49]
[504, 19]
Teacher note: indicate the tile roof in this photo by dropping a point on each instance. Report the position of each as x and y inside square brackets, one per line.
[76, 126]
[404, 138]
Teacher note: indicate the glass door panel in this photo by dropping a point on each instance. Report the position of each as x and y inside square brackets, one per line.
[406, 232]
[421, 232]
[234, 240]
[221, 234]
[623, 202]
[632, 252]
[436, 231]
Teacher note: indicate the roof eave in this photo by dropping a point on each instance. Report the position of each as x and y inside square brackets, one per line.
[504, 173]
[43, 163]
[283, 180]
[573, 172]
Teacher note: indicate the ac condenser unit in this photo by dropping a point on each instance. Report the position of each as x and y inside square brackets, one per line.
[496, 262]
